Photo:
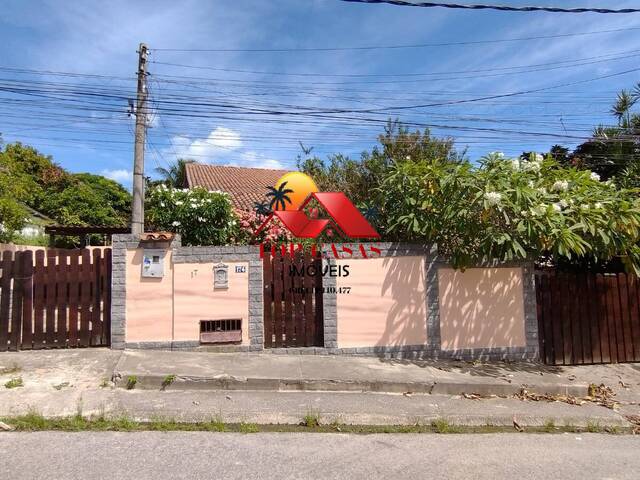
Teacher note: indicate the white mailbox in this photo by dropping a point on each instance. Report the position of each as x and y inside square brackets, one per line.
[153, 263]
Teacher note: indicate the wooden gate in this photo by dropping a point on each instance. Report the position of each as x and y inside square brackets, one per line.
[63, 300]
[586, 318]
[292, 301]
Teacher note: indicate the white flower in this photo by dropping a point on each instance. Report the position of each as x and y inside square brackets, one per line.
[531, 184]
[202, 219]
[539, 157]
[595, 176]
[561, 185]
[408, 157]
[597, 205]
[531, 166]
[539, 209]
[557, 207]
[515, 164]
[542, 190]
[179, 202]
[162, 204]
[585, 206]
[563, 203]
[492, 198]
[175, 223]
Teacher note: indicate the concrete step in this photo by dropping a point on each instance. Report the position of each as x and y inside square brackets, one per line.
[202, 371]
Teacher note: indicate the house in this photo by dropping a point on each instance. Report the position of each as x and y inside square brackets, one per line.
[35, 225]
[245, 185]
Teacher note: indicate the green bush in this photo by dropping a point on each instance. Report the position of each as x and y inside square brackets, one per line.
[199, 216]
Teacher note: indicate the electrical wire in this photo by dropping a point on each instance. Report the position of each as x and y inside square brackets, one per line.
[503, 8]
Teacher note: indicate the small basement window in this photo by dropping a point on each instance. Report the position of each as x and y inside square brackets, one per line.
[221, 331]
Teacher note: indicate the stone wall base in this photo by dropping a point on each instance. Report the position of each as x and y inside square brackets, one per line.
[409, 352]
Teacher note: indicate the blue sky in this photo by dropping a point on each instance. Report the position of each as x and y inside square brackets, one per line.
[228, 92]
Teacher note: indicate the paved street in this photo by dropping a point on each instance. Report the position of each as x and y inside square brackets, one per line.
[177, 455]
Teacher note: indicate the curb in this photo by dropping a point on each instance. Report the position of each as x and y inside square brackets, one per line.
[230, 382]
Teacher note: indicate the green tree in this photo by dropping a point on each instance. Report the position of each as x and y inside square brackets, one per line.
[69, 199]
[613, 150]
[512, 209]
[360, 179]
[13, 194]
[176, 174]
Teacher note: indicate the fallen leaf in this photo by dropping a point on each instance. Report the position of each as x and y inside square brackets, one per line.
[516, 425]
[5, 427]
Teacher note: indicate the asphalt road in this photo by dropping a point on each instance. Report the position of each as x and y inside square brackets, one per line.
[194, 455]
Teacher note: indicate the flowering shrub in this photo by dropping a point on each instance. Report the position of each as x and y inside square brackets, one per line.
[199, 216]
[510, 209]
[249, 223]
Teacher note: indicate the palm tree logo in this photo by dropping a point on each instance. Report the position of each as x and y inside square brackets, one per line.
[279, 196]
[262, 208]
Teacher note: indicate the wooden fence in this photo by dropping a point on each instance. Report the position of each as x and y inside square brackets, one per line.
[292, 301]
[586, 318]
[64, 301]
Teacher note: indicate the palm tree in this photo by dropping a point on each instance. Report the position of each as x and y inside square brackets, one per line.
[279, 196]
[176, 174]
[624, 103]
[262, 208]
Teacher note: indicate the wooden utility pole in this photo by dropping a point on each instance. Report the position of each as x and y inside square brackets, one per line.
[137, 210]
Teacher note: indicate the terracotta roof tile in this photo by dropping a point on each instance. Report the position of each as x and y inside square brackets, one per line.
[157, 237]
[245, 185]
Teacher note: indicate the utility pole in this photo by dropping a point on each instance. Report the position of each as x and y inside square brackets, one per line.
[137, 215]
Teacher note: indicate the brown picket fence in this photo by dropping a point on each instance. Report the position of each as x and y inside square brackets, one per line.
[57, 299]
[293, 315]
[588, 318]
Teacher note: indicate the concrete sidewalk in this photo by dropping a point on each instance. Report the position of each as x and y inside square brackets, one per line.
[243, 371]
[67, 382]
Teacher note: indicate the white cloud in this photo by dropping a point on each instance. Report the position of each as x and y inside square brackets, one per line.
[219, 143]
[119, 175]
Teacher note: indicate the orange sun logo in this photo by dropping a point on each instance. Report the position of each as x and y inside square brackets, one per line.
[301, 185]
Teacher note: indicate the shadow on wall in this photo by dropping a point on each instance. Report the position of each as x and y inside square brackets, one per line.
[404, 285]
[481, 308]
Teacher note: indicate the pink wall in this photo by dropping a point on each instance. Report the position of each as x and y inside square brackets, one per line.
[149, 301]
[171, 307]
[481, 308]
[386, 305]
[195, 299]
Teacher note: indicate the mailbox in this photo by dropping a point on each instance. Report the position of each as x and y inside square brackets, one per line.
[153, 263]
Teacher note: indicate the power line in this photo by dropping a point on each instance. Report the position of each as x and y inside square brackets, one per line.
[392, 47]
[503, 8]
[577, 62]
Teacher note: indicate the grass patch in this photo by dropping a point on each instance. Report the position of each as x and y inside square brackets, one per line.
[15, 368]
[132, 380]
[311, 419]
[549, 426]
[441, 425]
[34, 421]
[248, 428]
[593, 427]
[168, 380]
[14, 383]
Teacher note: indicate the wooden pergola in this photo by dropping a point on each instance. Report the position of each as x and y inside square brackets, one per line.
[82, 232]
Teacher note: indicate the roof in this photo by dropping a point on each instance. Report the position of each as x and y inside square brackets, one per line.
[245, 185]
